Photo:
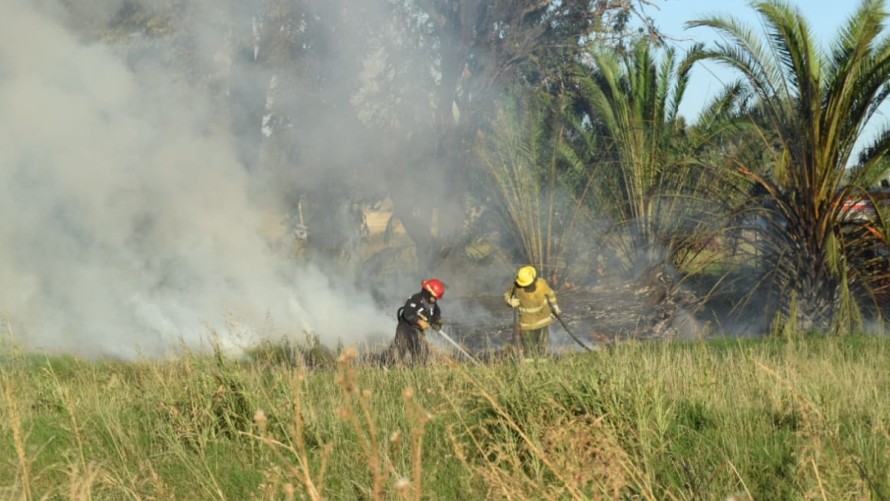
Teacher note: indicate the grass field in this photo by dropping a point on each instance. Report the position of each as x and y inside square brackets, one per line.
[773, 419]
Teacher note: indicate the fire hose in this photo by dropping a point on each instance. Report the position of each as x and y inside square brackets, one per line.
[453, 343]
[566, 327]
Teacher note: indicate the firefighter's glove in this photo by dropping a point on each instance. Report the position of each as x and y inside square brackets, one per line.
[423, 324]
[438, 323]
[513, 302]
[556, 310]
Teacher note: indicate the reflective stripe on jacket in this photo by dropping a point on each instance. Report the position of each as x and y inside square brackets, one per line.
[534, 312]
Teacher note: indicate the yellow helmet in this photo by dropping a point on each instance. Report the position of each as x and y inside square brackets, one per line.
[526, 275]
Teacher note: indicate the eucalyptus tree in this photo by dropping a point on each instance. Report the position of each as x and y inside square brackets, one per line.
[476, 49]
[372, 99]
[816, 104]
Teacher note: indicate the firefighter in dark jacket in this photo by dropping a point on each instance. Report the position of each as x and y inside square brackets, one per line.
[420, 312]
[536, 304]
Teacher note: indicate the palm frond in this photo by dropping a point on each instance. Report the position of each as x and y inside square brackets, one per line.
[817, 106]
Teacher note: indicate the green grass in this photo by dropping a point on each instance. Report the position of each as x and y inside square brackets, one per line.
[773, 419]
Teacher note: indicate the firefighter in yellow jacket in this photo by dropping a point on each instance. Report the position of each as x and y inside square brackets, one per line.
[536, 304]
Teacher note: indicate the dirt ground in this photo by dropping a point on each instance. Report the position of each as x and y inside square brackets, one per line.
[607, 312]
[596, 315]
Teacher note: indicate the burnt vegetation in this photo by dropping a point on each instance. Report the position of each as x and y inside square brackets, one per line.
[549, 133]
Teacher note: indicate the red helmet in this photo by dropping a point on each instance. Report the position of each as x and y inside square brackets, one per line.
[434, 286]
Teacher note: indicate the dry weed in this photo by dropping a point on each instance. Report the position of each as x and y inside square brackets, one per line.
[588, 453]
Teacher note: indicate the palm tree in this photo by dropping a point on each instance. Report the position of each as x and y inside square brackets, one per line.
[816, 104]
[650, 189]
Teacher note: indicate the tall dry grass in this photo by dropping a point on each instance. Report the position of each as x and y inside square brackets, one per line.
[795, 418]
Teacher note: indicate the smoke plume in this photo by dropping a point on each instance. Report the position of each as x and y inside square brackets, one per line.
[126, 222]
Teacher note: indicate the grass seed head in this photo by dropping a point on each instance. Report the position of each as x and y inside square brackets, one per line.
[403, 484]
[259, 417]
[348, 355]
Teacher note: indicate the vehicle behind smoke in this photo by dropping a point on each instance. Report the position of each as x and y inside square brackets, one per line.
[865, 209]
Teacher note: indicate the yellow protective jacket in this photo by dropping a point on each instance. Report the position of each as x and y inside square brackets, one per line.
[534, 312]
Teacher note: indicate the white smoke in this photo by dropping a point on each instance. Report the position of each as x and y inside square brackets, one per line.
[125, 225]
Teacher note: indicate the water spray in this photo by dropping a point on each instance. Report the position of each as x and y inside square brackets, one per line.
[453, 343]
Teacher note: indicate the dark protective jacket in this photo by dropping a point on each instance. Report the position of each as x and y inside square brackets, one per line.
[420, 306]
